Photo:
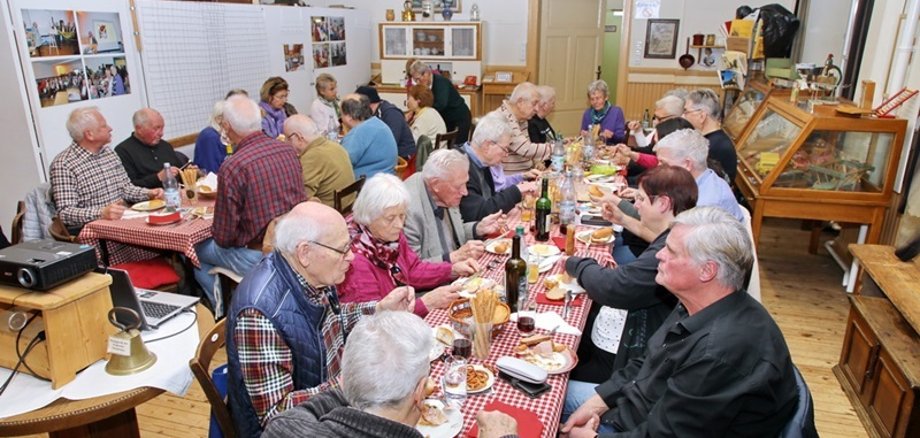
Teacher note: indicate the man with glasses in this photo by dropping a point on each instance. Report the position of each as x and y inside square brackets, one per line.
[326, 167]
[286, 328]
[703, 110]
[489, 147]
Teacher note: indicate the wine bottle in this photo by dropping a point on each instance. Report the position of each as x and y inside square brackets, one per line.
[544, 206]
[515, 275]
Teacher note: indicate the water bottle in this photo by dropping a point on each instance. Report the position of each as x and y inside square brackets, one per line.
[558, 157]
[171, 189]
[567, 205]
[587, 150]
[646, 122]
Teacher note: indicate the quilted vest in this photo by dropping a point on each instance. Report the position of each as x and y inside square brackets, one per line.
[272, 288]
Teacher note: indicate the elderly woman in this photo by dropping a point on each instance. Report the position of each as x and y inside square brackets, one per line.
[538, 127]
[517, 110]
[447, 99]
[383, 258]
[275, 109]
[326, 110]
[602, 113]
[664, 192]
[425, 120]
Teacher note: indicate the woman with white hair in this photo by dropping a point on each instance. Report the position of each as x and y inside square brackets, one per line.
[383, 258]
[602, 113]
[212, 145]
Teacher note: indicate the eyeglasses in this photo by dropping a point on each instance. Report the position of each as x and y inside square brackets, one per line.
[686, 111]
[342, 252]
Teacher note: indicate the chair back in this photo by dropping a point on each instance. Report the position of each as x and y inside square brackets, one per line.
[210, 345]
[802, 423]
[401, 166]
[753, 283]
[423, 148]
[445, 140]
[59, 231]
[16, 231]
[339, 196]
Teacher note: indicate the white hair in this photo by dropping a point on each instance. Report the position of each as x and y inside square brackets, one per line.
[685, 144]
[380, 192]
[546, 93]
[385, 358]
[303, 125]
[681, 93]
[443, 163]
[243, 114]
[523, 91]
[79, 121]
[491, 127]
[672, 105]
[419, 68]
[293, 229]
[706, 100]
[217, 114]
[716, 236]
[598, 86]
[143, 117]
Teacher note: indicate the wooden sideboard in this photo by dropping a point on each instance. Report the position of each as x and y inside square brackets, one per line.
[879, 366]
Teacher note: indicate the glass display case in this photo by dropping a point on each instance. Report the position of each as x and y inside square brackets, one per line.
[755, 93]
[818, 165]
[447, 40]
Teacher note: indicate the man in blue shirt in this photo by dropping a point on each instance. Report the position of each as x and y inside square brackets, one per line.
[370, 143]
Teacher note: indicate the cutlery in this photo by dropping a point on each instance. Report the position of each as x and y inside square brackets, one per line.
[568, 304]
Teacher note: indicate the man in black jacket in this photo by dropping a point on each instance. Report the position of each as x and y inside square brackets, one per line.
[144, 152]
[489, 147]
[394, 118]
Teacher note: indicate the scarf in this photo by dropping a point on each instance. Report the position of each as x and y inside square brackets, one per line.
[382, 254]
[276, 118]
[598, 116]
[334, 104]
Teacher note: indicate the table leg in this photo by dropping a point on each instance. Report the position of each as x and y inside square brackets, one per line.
[104, 249]
[122, 425]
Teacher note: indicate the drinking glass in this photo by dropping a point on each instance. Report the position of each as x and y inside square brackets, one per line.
[453, 383]
[462, 347]
[533, 269]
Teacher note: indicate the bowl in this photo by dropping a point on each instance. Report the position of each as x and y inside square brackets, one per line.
[461, 317]
[206, 192]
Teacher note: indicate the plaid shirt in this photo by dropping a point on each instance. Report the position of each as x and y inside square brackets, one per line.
[522, 154]
[258, 183]
[83, 183]
[266, 362]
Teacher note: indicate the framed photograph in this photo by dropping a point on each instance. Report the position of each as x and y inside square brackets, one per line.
[661, 38]
[438, 6]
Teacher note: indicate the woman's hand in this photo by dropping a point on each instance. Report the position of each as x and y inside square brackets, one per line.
[465, 268]
[441, 297]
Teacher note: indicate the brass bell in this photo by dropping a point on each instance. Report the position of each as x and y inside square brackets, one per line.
[129, 338]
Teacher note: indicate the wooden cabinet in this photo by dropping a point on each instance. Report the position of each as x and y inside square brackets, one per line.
[879, 366]
[452, 47]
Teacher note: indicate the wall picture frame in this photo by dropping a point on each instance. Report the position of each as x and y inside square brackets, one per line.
[438, 6]
[661, 38]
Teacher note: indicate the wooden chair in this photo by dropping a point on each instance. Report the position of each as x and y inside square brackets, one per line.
[200, 365]
[338, 196]
[16, 231]
[445, 140]
[59, 231]
[400, 169]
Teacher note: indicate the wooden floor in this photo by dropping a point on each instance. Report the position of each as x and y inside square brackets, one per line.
[801, 291]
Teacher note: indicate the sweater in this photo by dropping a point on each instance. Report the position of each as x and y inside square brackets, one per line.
[142, 162]
[396, 120]
[210, 151]
[371, 148]
[614, 122]
[326, 168]
[427, 122]
[722, 149]
[449, 102]
[328, 416]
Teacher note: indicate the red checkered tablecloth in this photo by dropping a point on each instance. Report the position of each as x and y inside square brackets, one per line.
[548, 407]
[129, 240]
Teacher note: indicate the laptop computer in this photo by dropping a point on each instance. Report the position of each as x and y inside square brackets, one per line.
[154, 307]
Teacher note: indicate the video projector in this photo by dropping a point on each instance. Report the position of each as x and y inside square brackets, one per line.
[44, 264]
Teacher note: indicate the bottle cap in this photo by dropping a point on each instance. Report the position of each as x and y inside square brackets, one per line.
[519, 230]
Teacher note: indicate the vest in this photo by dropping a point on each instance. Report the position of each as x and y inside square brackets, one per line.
[272, 288]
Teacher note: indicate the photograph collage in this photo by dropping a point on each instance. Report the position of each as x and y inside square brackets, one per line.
[328, 35]
[76, 55]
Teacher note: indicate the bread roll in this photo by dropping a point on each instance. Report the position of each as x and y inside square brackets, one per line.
[555, 294]
[502, 247]
[595, 191]
[550, 282]
[530, 341]
[445, 335]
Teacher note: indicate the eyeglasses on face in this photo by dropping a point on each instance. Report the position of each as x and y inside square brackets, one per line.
[342, 252]
[691, 111]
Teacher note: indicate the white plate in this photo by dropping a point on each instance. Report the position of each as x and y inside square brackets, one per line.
[491, 246]
[559, 363]
[571, 285]
[547, 263]
[472, 285]
[450, 429]
[154, 204]
[543, 250]
[489, 382]
[437, 348]
[585, 237]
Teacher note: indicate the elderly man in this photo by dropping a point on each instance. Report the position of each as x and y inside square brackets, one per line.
[258, 183]
[517, 110]
[394, 118]
[434, 227]
[538, 128]
[447, 100]
[489, 147]
[703, 110]
[286, 328]
[718, 366]
[370, 144]
[385, 344]
[87, 180]
[145, 151]
[326, 167]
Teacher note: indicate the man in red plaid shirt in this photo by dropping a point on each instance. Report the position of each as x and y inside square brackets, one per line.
[259, 182]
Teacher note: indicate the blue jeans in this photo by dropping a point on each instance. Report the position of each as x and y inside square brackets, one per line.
[621, 252]
[577, 394]
[210, 254]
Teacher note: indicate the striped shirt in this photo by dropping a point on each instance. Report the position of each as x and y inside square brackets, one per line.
[522, 154]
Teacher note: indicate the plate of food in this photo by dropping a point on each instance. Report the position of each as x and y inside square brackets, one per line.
[151, 205]
[438, 420]
[541, 351]
[478, 379]
[545, 263]
[471, 285]
[543, 250]
[499, 246]
[206, 191]
[561, 281]
[600, 236]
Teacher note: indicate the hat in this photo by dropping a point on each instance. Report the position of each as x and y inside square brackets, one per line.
[370, 92]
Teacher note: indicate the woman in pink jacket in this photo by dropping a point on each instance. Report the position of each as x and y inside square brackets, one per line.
[383, 258]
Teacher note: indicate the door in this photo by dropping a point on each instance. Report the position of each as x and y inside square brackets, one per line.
[571, 33]
[613, 30]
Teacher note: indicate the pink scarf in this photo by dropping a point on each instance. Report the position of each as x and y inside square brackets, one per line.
[382, 254]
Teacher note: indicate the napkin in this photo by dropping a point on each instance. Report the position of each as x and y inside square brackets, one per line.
[209, 180]
[541, 299]
[559, 241]
[529, 425]
[549, 320]
[134, 214]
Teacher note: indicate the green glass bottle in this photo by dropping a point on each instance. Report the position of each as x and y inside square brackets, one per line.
[543, 209]
[515, 275]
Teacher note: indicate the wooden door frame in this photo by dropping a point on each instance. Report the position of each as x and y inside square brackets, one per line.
[533, 40]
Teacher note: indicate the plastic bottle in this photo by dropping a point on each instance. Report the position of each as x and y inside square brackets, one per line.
[567, 203]
[646, 121]
[558, 155]
[587, 150]
[171, 189]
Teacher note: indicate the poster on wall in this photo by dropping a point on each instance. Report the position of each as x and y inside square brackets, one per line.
[293, 57]
[320, 56]
[646, 9]
[107, 77]
[50, 32]
[100, 32]
[328, 35]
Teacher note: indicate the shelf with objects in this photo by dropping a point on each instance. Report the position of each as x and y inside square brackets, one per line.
[818, 165]
[452, 48]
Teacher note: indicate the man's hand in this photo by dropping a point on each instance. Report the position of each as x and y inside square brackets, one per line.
[401, 298]
[589, 430]
[472, 249]
[590, 410]
[155, 194]
[495, 424]
[113, 211]
[633, 125]
[532, 174]
[162, 174]
[527, 187]
[464, 268]
[441, 297]
[492, 223]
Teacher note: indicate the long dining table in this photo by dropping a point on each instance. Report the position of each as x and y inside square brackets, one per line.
[548, 406]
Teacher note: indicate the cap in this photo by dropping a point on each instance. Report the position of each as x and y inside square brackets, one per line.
[370, 92]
